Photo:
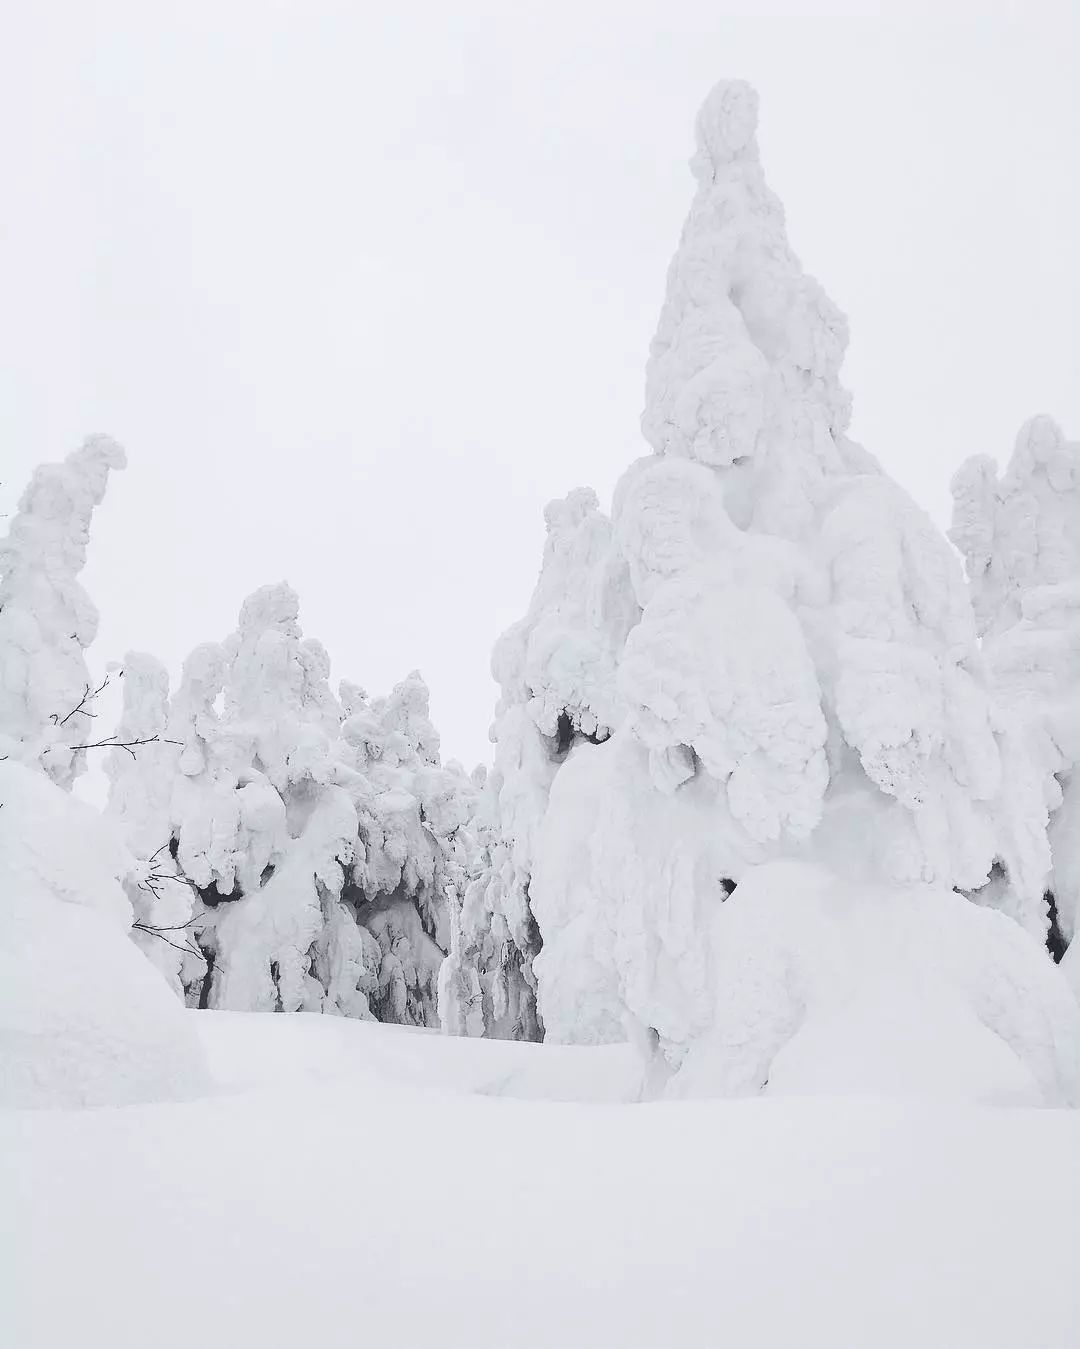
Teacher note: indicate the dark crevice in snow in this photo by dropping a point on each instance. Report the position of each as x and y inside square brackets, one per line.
[567, 735]
[275, 975]
[208, 979]
[1055, 938]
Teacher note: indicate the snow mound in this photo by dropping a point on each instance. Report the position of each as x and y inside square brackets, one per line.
[85, 1019]
[827, 985]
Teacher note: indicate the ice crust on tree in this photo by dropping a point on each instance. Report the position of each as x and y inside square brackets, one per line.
[317, 839]
[47, 619]
[1020, 537]
[767, 651]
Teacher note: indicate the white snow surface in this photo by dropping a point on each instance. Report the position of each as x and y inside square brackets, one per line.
[85, 1019]
[307, 1200]
[823, 985]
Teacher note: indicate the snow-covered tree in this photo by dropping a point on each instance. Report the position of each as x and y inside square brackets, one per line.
[322, 835]
[141, 772]
[47, 620]
[767, 652]
[556, 671]
[1020, 536]
[84, 1019]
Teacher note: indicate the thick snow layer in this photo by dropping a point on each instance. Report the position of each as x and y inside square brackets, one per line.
[1070, 967]
[884, 1042]
[625, 884]
[769, 625]
[85, 1019]
[911, 991]
[309, 844]
[140, 803]
[310, 1201]
[46, 617]
[1020, 536]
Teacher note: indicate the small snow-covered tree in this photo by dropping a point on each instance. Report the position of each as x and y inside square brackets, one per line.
[320, 833]
[47, 620]
[767, 652]
[1020, 537]
[141, 799]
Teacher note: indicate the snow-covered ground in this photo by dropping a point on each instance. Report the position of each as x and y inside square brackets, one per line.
[352, 1184]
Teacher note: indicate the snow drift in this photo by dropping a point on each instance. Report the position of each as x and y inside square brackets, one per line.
[85, 1019]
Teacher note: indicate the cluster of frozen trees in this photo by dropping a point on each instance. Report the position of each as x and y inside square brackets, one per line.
[301, 849]
[778, 793]
[752, 757]
[281, 847]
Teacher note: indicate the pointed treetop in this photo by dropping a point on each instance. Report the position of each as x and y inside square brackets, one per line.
[726, 123]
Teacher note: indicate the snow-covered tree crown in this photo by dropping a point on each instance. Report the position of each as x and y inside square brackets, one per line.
[748, 349]
[1022, 531]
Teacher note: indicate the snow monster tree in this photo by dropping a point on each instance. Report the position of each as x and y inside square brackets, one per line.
[745, 757]
[308, 846]
[1020, 536]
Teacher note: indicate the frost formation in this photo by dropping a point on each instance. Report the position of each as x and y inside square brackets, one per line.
[310, 841]
[84, 1019]
[766, 652]
[47, 619]
[1020, 537]
[777, 794]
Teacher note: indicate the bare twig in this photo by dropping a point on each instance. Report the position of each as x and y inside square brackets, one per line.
[111, 742]
[88, 697]
[176, 927]
[187, 950]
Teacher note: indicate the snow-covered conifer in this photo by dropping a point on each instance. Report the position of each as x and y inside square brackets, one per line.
[84, 1020]
[47, 620]
[141, 800]
[556, 671]
[321, 833]
[767, 652]
[1020, 536]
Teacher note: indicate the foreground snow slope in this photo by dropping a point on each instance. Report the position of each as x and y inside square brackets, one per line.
[326, 1197]
[85, 1019]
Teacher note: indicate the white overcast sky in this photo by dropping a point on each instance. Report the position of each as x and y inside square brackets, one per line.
[360, 287]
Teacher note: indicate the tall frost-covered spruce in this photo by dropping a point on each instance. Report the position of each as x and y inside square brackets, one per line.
[744, 754]
[84, 1019]
[318, 838]
[1020, 536]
